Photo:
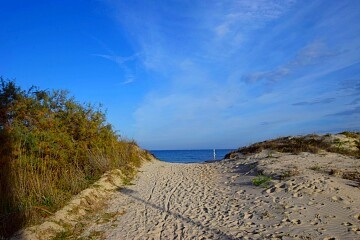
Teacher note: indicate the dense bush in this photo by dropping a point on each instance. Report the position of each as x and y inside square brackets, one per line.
[52, 148]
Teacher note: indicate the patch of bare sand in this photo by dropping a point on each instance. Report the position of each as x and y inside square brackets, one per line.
[218, 201]
[310, 199]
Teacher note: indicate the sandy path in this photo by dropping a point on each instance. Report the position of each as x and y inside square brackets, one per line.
[218, 201]
[172, 201]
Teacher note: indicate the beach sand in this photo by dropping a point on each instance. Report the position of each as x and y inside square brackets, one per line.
[307, 198]
[218, 201]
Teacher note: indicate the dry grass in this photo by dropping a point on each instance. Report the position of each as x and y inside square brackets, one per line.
[309, 143]
[345, 143]
[350, 175]
[293, 171]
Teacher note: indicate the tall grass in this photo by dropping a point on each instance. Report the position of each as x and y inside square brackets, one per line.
[52, 148]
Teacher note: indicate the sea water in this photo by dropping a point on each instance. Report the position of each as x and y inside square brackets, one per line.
[190, 156]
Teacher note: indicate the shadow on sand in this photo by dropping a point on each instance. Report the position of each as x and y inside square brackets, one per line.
[219, 234]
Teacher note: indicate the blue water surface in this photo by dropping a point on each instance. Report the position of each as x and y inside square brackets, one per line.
[189, 156]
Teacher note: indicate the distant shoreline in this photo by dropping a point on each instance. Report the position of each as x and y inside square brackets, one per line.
[190, 156]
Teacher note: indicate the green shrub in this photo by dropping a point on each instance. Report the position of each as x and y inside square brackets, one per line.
[51, 148]
[261, 181]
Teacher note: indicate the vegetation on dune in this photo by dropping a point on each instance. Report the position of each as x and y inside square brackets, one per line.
[261, 181]
[345, 143]
[309, 143]
[52, 148]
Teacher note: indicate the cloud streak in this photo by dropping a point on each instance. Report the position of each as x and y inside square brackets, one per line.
[316, 102]
[239, 15]
[350, 112]
[121, 62]
[312, 54]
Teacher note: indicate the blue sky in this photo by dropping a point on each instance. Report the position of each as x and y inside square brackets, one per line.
[188, 74]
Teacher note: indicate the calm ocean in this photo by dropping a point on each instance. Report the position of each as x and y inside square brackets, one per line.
[189, 156]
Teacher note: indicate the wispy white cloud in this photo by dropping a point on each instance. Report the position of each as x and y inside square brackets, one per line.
[122, 63]
[314, 53]
[349, 112]
[232, 22]
[118, 59]
[355, 101]
[207, 33]
[129, 79]
[270, 76]
[248, 14]
[315, 102]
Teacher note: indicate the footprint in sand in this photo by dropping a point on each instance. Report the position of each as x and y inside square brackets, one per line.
[248, 215]
[297, 195]
[356, 230]
[336, 198]
[285, 220]
[296, 221]
[241, 192]
[310, 203]
[271, 190]
[280, 185]
[250, 224]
